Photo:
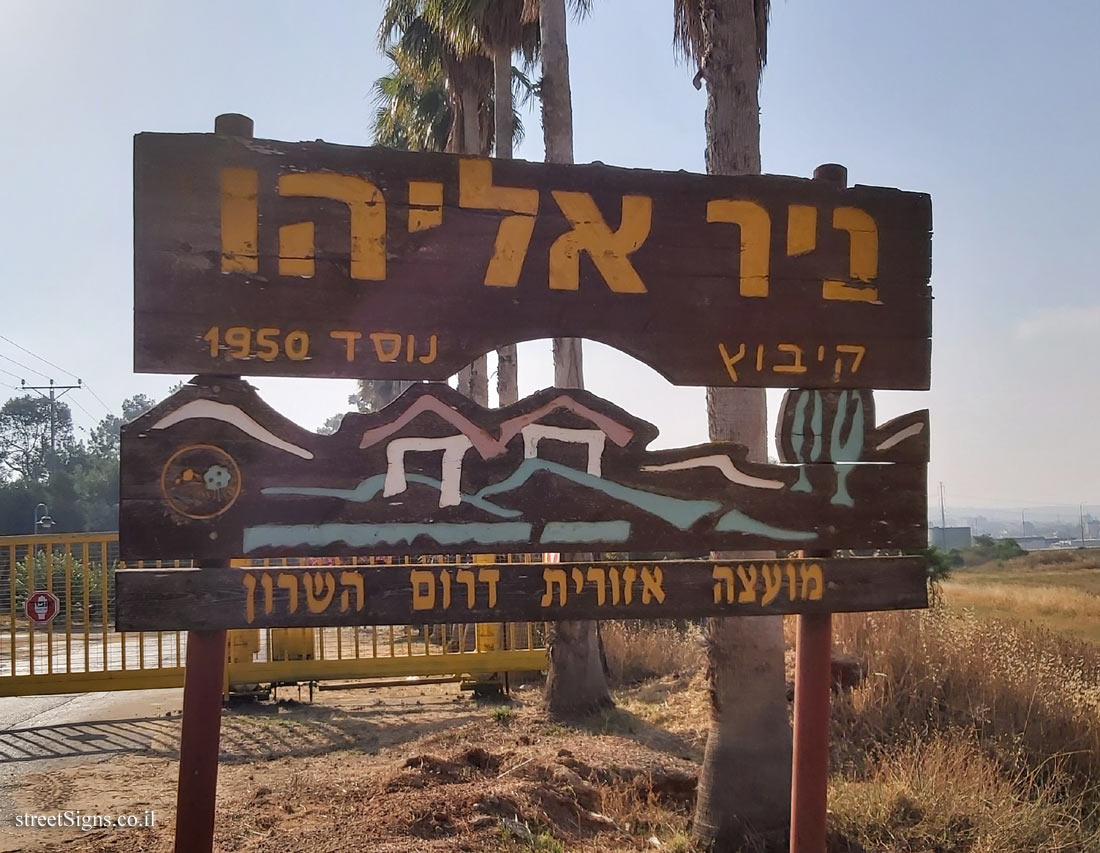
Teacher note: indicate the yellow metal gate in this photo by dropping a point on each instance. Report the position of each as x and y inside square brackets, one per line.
[80, 651]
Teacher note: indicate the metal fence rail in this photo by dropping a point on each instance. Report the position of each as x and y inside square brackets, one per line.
[80, 651]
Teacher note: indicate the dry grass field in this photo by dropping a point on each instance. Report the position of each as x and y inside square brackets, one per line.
[967, 735]
[975, 729]
[1059, 590]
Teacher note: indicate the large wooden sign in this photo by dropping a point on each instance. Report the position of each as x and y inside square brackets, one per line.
[185, 599]
[214, 472]
[259, 257]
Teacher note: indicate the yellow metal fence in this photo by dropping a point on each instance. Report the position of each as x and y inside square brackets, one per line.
[80, 651]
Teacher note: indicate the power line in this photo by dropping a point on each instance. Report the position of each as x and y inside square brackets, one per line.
[40, 358]
[97, 398]
[20, 364]
[53, 397]
[13, 375]
[88, 388]
[85, 411]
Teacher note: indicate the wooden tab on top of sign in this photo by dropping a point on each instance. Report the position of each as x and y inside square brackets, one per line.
[261, 257]
[214, 473]
[189, 599]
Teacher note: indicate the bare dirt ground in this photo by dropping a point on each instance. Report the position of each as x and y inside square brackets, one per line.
[413, 768]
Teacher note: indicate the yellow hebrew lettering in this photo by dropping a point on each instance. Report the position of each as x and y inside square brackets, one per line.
[756, 229]
[354, 580]
[423, 587]
[296, 250]
[476, 191]
[748, 584]
[425, 205]
[801, 229]
[731, 360]
[609, 250]
[429, 357]
[349, 337]
[555, 578]
[268, 585]
[614, 575]
[320, 588]
[387, 345]
[290, 584]
[630, 575]
[862, 256]
[599, 577]
[492, 578]
[240, 220]
[773, 582]
[445, 580]
[852, 349]
[578, 580]
[812, 574]
[465, 576]
[651, 585]
[367, 214]
[250, 593]
[792, 582]
[797, 366]
[723, 574]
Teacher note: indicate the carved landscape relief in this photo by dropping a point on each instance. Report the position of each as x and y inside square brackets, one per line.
[213, 470]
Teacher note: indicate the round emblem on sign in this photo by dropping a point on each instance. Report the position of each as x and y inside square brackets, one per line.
[200, 481]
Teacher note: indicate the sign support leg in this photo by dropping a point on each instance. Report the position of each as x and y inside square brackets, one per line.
[202, 719]
[810, 777]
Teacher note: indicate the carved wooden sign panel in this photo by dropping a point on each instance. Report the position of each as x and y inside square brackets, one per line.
[184, 599]
[309, 259]
[214, 473]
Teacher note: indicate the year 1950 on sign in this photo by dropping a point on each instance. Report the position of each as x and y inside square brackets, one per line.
[269, 343]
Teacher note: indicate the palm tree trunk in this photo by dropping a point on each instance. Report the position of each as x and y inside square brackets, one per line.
[507, 365]
[473, 380]
[744, 786]
[576, 683]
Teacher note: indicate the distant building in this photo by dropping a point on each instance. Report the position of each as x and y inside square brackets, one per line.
[1034, 543]
[1093, 527]
[949, 538]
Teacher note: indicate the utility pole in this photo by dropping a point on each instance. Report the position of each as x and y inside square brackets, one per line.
[943, 521]
[53, 397]
[1082, 525]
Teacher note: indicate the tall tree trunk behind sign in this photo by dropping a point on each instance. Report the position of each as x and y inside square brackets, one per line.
[507, 367]
[576, 683]
[744, 786]
[473, 380]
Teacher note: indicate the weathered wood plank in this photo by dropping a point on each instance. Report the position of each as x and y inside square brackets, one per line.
[190, 599]
[215, 473]
[310, 259]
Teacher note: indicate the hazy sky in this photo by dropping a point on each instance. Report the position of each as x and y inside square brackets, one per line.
[989, 105]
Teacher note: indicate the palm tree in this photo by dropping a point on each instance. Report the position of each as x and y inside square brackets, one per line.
[430, 32]
[438, 41]
[504, 27]
[413, 108]
[576, 682]
[744, 786]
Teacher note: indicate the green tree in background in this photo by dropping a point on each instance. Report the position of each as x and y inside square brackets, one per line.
[78, 480]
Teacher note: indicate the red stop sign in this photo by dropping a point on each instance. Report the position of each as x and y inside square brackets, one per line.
[41, 607]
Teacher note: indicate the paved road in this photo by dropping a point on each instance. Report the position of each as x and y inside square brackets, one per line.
[41, 733]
